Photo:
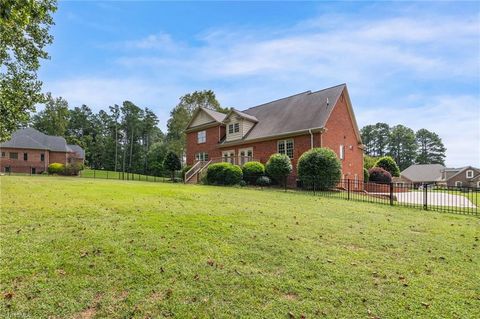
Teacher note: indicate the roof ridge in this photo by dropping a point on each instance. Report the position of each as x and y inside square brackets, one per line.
[283, 98]
[329, 88]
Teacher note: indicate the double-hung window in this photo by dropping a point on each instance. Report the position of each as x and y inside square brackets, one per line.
[285, 147]
[469, 174]
[233, 128]
[25, 156]
[13, 155]
[201, 137]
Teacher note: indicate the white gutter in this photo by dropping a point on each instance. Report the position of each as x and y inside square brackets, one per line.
[311, 138]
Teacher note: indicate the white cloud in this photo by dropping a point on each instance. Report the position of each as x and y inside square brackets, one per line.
[414, 69]
[455, 118]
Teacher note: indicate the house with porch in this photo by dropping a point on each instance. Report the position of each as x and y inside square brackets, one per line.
[290, 125]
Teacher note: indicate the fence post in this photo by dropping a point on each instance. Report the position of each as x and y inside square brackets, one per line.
[425, 196]
[391, 194]
[348, 189]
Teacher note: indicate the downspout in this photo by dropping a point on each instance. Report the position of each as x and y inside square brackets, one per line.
[311, 138]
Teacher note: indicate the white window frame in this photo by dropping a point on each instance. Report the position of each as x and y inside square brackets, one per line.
[478, 184]
[201, 156]
[469, 173]
[230, 128]
[201, 137]
[284, 143]
[236, 127]
[458, 184]
[341, 152]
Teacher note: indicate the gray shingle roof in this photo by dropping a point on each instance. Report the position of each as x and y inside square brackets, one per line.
[219, 117]
[32, 139]
[423, 172]
[77, 149]
[298, 112]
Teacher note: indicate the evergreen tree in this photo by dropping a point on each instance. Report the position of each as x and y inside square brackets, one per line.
[430, 148]
[402, 146]
[54, 118]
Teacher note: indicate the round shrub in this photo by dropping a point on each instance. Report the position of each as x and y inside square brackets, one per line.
[242, 183]
[366, 176]
[252, 171]
[388, 164]
[73, 168]
[320, 167]
[263, 181]
[223, 174]
[56, 168]
[278, 167]
[379, 175]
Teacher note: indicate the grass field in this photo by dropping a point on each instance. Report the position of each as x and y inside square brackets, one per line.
[84, 248]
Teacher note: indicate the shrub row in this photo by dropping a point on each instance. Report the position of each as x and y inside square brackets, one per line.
[61, 169]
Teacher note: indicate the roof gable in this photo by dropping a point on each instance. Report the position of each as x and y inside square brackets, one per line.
[203, 116]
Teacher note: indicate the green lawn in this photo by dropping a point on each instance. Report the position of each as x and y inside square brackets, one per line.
[84, 248]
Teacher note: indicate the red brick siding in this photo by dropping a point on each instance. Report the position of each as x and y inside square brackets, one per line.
[20, 165]
[214, 134]
[58, 157]
[340, 131]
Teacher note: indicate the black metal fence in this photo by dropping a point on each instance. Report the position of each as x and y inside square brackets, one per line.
[97, 174]
[461, 200]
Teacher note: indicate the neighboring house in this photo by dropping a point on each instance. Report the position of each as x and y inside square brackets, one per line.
[290, 126]
[418, 174]
[31, 151]
[468, 176]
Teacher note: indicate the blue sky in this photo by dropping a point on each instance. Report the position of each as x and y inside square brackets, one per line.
[410, 63]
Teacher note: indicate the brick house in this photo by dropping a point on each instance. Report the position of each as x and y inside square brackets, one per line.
[467, 176]
[290, 126]
[31, 151]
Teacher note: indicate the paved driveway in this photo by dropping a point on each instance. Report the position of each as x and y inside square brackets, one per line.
[435, 199]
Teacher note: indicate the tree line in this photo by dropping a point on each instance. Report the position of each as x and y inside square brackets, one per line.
[403, 144]
[122, 137]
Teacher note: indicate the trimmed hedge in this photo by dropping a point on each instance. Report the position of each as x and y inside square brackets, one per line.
[379, 175]
[279, 167]
[388, 164]
[223, 174]
[56, 168]
[252, 171]
[320, 166]
[73, 168]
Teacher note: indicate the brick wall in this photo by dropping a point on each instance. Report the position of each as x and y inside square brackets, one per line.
[340, 131]
[58, 157]
[19, 165]
[214, 134]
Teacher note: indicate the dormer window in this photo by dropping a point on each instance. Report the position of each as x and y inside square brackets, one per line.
[233, 128]
[469, 174]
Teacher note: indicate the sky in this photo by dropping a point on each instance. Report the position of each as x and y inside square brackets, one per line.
[410, 63]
